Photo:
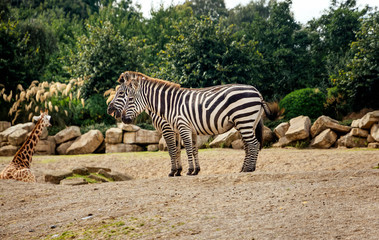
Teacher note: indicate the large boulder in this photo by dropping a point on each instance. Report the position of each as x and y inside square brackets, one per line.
[369, 119]
[374, 132]
[129, 137]
[225, 139]
[202, 140]
[351, 141]
[56, 176]
[299, 128]
[46, 147]
[281, 129]
[147, 137]
[283, 141]
[133, 148]
[8, 150]
[358, 132]
[4, 125]
[238, 144]
[67, 134]
[128, 127]
[87, 143]
[18, 137]
[113, 135]
[324, 140]
[113, 148]
[5, 134]
[325, 122]
[62, 149]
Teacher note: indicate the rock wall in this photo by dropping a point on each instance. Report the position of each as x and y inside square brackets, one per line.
[324, 133]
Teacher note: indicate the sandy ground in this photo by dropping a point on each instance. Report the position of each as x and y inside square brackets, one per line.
[293, 194]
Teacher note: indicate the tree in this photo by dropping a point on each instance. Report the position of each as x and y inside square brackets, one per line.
[102, 56]
[335, 31]
[359, 80]
[211, 8]
[206, 54]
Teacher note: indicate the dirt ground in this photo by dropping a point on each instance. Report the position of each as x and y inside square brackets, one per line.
[293, 194]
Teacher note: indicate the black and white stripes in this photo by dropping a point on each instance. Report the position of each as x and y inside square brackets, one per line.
[206, 111]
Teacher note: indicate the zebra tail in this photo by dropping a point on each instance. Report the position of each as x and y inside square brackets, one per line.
[272, 110]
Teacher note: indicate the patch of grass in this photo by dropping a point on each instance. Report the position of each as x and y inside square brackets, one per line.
[90, 180]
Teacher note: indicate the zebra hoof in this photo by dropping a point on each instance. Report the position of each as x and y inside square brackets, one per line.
[197, 170]
[172, 173]
[190, 171]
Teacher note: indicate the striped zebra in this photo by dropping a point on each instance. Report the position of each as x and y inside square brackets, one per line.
[117, 106]
[203, 112]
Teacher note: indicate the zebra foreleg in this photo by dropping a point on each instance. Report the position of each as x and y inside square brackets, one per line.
[169, 137]
[185, 134]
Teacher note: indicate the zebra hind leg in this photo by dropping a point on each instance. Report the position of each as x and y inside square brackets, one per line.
[251, 154]
[195, 152]
[178, 160]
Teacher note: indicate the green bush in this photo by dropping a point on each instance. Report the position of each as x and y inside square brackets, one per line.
[308, 102]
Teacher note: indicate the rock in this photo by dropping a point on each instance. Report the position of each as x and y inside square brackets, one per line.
[97, 169]
[62, 149]
[18, 137]
[4, 134]
[373, 145]
[281, 129]
[113, 148]
[237, 144]
[129, 137]
[2, 144]
[81, 171]
[46, 147]
[202, 141]
[370, 139]
[283, 141]
[268, 135]
[162, 144]
[133, 148]
[369, 119]
[45, 134]
[101, 148]
[67, 134]
[113, 135]
[225, 139]
[153, 147]
[128, 127]
[355, 123]
[116, 176]
[87, 143]
[147, 137]
[324, 140]
[374, 132]
[28, 126]
[351, 142]
[325, 122]
[299, 128]
[357, 132]
[56, 177]
[73, 181]
[97, 178]
[8, 150]
[4, 125]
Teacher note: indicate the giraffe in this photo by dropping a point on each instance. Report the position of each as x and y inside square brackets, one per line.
[19, 168]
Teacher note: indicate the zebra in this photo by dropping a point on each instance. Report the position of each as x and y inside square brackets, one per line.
[204, 112]
[117, 106]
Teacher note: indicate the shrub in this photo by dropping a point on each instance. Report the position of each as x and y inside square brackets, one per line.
[308, 102]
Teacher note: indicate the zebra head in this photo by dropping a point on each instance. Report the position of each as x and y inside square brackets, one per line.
[119, 102]
[134, 103]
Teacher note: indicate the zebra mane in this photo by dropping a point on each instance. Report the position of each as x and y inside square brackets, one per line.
[140, 76]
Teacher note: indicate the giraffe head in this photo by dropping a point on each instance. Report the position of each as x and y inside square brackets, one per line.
[43, 119]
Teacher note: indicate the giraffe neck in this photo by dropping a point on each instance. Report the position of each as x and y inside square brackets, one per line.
[23, 157]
